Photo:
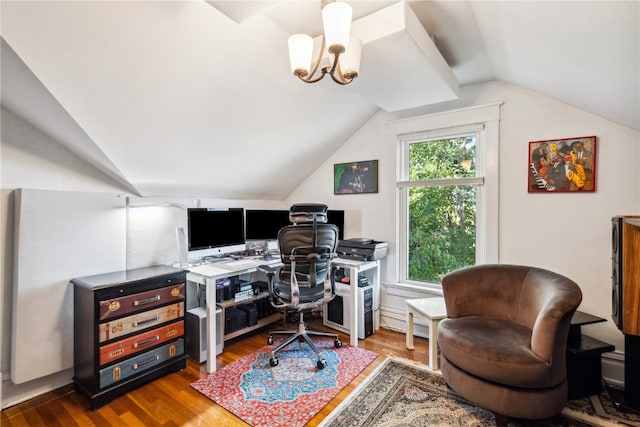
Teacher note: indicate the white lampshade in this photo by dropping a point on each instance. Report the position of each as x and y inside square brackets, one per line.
[300, 51]
[336, 19]
[350, 59]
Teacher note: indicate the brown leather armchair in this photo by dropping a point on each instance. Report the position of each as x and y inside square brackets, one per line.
[504, 339]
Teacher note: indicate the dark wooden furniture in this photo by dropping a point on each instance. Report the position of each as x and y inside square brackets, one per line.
[626, 304]
[128, 330]
[584, 367]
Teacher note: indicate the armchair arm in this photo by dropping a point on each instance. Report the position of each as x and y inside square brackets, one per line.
[560, 297]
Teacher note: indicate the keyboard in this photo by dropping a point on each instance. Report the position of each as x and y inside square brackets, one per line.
[208, 270]
[239, 263]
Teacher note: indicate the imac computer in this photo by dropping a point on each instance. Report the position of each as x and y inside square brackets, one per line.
[215, 232]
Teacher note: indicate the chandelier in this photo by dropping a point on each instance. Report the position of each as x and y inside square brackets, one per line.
[340, 59]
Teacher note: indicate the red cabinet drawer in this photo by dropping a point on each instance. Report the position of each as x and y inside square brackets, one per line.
[143, 300]
[128, 346]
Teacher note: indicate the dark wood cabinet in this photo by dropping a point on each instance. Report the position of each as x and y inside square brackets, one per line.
[128, 329]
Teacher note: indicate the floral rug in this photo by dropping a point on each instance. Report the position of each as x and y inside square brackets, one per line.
[289, 394]
[404, 393]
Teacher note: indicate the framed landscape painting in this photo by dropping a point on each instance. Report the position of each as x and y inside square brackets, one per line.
[355, 177]
[565, 165]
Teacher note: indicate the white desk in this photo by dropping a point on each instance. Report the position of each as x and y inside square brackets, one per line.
[207, 275]
[434, 310]
[356, 267]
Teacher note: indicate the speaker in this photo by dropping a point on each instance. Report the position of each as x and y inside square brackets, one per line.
[616, 271]
[196, 333]
[625, 277]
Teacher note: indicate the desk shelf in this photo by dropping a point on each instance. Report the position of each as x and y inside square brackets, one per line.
[261, 322]
[232, 302]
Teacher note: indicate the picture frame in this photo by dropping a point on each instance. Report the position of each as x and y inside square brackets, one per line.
[355, 177]
[566, 165]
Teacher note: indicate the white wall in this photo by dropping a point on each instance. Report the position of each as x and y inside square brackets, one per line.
[31, 159]
[567, 233]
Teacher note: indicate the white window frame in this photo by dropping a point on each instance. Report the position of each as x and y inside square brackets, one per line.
[484, 122]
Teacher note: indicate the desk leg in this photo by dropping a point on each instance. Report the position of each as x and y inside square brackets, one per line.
[353, 322]
[409, 339]
[434, 360]
[210, 300]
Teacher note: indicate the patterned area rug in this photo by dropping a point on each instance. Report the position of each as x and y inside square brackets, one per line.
[289, 394]
[403, 393]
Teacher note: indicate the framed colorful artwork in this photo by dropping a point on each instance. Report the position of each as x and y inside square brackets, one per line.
[355, 177]
[565, 165]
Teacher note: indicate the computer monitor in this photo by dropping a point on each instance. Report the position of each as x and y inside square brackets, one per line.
[336, 217]
[213, 231]
[262, 224]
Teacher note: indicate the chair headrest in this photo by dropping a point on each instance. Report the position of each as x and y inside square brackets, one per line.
[300, 213]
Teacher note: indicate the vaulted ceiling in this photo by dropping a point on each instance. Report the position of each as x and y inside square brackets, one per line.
[196, 98]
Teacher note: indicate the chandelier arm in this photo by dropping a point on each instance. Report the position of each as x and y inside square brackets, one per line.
[339, 81]
[309, 80]
[335, 68]
[309, 77]
[341, 74]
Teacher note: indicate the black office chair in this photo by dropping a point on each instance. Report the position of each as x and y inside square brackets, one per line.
[305, 281]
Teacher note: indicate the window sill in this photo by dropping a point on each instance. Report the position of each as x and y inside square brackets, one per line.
[397, 288]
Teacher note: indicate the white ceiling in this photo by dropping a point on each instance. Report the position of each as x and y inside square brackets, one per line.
[195, 98]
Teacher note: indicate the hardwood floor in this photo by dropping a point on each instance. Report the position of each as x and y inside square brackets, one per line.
[171, 401]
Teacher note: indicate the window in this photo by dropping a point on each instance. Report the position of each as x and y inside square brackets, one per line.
[447, 197]
[441, 205]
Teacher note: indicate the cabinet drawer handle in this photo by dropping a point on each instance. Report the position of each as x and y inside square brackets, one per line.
[145, 363]
[147, 342]
[147, 301]
[146, 321]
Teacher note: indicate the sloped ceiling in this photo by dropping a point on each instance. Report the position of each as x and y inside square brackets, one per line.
[195, 98]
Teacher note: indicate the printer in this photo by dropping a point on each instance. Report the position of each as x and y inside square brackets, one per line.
[362, 249]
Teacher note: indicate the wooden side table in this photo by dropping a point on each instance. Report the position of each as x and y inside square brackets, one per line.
[434, 310]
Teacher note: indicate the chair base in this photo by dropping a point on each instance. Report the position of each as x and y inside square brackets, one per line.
[302, 334]
[504, 401]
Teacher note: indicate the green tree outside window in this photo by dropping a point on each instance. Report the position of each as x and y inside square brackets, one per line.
[442, 217]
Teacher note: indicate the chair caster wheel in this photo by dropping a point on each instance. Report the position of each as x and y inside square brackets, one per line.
[337, 343]
[270, 340]
[273, 361]
[321, 364]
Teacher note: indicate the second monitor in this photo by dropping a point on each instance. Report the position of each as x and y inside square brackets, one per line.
[264, 224]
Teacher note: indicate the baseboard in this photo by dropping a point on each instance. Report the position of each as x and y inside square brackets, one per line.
[12, 394]
[613, 368]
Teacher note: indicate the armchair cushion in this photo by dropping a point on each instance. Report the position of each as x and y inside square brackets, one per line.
[494, 349]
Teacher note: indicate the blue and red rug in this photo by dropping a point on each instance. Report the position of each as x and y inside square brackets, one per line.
[289, 394]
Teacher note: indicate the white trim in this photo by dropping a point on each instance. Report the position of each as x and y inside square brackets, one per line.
[403, 288]
[443, 120]
[476, 180]
[483, 120]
